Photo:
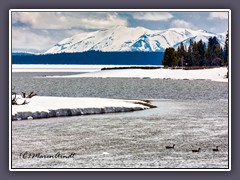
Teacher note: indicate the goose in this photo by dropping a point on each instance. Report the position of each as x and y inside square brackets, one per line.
[215, 149]
[170, 147]
[196, 150]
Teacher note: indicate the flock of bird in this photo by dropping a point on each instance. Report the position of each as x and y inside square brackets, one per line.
[194, 150]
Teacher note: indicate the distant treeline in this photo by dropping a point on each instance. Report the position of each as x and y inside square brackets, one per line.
[198, 54]
[92, 57]
[131, 67]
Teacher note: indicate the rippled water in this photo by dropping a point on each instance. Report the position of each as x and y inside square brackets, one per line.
[120, 87]
[190, 114]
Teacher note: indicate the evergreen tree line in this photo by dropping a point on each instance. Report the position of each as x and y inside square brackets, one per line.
[198, 54]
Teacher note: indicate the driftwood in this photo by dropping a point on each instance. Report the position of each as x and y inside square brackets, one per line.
[28, 96]
[14, 100]
[14, 97]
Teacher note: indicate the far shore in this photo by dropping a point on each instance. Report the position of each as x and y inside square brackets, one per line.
[211, 73]
[161, 67]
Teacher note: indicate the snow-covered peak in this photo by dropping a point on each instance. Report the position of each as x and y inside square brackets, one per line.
[121, 38]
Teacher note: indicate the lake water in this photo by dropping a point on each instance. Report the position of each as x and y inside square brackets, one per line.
[190, 114]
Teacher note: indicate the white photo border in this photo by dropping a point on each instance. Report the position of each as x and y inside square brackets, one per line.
[119, 10]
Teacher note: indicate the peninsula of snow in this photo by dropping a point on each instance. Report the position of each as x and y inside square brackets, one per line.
[45, 107]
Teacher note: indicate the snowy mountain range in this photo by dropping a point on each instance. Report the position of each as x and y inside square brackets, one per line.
[122, 38]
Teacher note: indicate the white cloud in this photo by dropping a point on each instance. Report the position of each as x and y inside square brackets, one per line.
[26, 39]
[41, 30]
[110, 21]
[152, 16]
[61, 20]
[72, 32]
[218, 15]
[178, 23]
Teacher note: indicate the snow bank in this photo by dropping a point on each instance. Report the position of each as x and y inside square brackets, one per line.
[55, 68]
[214, 74]
[60, 68]
[45, 107]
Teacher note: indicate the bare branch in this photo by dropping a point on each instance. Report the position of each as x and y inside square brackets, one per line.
[31, 95]
[14, 99]
[23, 94]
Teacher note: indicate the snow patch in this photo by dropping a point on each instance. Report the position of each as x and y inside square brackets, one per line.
[61, 68]
[213, 74]
[45, 107]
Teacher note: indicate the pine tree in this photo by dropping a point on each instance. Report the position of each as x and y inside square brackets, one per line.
[201, 51]
[214, 55]
[190, 54]
[181, 54]
[195, 55]
[217, 53]
[170, 57]
[199, 55]
[226, 46]
[209, 52]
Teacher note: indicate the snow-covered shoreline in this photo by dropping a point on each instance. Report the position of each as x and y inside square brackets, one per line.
[213, 74]
[55, 68]
[63, 67]
[46, 107]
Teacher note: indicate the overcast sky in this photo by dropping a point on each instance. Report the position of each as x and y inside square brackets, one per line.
[42, 30]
